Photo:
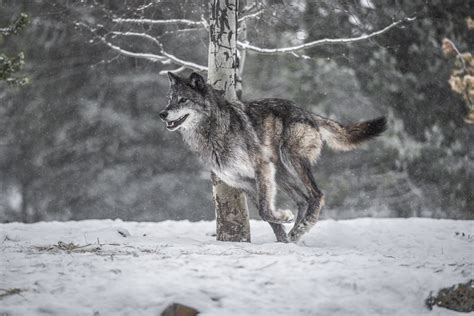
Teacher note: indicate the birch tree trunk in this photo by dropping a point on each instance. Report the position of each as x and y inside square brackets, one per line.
[232, 218]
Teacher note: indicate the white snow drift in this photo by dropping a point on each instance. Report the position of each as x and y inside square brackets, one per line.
[350, 267]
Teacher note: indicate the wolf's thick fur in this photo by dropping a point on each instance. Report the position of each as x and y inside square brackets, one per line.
[261, 146]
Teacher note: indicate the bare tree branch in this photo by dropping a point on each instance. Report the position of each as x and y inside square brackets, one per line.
[250, 7]
[172, 58]
[251, 15]
[145, 6]
[164, 57]
[136, 34]
[325, 41]
[180, 31]
[162, 22]
[175, 71]
[185, 63]
[458, 54]
[167, 58]
[122, 51]
[148, 56]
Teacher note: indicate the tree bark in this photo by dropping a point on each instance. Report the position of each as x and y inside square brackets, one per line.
[232, 217]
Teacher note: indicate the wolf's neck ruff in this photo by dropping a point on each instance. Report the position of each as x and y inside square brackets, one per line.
[210, 138]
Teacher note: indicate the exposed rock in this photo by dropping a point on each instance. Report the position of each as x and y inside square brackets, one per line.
[177, 309]
[458, 298]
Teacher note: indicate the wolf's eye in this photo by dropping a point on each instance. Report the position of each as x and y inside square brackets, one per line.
[182, 100]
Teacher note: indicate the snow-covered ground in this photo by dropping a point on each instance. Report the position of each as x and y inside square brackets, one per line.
[351, 267]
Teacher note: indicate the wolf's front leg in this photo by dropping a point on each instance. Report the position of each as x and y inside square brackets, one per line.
[266, 191]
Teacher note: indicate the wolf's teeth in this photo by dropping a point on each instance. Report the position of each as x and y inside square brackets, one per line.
[177, 122]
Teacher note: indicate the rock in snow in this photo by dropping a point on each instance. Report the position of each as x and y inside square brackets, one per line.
[350, 267]
[177, 309]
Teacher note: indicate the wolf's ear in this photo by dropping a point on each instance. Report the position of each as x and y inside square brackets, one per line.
[197, 81]
[172, 77]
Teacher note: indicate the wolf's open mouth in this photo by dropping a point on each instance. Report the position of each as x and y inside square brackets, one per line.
[172, 125]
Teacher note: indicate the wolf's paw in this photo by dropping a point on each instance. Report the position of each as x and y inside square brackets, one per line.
[294, 237]
[297, 231]
[285, 216]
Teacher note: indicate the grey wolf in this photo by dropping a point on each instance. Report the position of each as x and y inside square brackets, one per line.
[261, 146]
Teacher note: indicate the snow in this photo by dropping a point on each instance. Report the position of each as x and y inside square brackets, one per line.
[349, 267]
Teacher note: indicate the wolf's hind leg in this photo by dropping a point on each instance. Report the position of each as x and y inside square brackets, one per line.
[291, 186]
[315, 199]
[278, 229]
[266, 191]
[280, 232]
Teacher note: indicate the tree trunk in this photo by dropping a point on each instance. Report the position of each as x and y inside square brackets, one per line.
[232, 217]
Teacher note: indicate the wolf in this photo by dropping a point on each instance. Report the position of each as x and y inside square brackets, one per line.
[261, 146]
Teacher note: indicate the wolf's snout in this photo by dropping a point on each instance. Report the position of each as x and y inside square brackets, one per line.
[163, 115]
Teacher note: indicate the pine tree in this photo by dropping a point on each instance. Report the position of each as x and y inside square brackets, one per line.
[9, 65]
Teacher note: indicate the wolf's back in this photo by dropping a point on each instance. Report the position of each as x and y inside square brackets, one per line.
[347, 137]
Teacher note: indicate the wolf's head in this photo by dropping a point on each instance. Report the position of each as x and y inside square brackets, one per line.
[188, 102]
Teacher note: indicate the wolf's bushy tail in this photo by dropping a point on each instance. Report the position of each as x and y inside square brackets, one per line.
[348, 137]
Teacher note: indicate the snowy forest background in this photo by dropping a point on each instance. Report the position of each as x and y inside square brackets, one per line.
[83, 139]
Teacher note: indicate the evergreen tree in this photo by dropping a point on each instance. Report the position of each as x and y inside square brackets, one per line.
[9, 65]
